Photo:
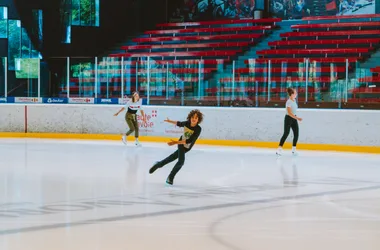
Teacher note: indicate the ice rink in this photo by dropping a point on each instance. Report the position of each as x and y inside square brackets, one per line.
[99, 195]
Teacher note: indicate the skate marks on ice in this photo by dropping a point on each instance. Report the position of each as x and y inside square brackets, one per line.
[175, 201]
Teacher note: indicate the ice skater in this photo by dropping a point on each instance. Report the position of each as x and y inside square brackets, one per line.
[291, 121]
[191, 132]
[133, 105]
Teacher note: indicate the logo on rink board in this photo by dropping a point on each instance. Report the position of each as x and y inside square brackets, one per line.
[123, 101]
[150, 118]
[107, 100]
[27, 100]
[81, 100]
[54, 100]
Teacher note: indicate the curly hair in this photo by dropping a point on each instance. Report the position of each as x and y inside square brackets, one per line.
[195, 112]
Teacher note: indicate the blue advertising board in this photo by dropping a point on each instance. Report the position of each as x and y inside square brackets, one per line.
[55, 100]
[107, 100]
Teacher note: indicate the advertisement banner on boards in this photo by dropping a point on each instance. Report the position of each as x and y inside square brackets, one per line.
[27, 100]
[107, 101]
[151, 121]
[155, 124]
[124, 100]
[55, 100]
[81, 100]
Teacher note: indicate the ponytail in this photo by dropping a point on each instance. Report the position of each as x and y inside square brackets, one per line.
[290, 91]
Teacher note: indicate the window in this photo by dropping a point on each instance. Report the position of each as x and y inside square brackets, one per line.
[26, 46]
[66, 20]
[3, 28]
[3, 13]
[27, 68]
[85, 12]
[3, 22]
[14, 41]
[78, 13]
[19, 45]
[75, 12]
[38, 26]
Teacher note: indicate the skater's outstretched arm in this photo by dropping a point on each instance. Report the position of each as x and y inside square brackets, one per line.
[191, 139]
[143, 115]
[173, 142]
[170, 121]
[121, 110]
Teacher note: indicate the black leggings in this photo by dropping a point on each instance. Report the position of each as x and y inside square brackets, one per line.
[290, 123]
[180, 155]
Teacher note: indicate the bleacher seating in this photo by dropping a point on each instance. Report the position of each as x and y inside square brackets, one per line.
[376, 70]
[185, 47]
[246, 22]
[334, 41]
[365, 94]
[371, 82]
[336, 26]
[327, 45]
[183, 55]
[180, 53]
[367, 17]
[309, 44]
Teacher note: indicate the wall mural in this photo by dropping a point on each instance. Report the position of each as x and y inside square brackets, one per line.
[193, 10]
[296, 9]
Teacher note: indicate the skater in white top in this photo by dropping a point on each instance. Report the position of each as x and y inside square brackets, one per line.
[133, 105]
[291, 121]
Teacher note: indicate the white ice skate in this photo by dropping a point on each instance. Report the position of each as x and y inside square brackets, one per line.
[294, 152]
[279, 152]
[124, 139]
[137, 143]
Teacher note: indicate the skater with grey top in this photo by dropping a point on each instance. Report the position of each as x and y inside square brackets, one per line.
[291, 122]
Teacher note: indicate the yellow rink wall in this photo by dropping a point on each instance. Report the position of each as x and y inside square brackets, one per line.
[233, 143]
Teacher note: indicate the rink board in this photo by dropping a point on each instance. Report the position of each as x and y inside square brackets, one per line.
[343, 130]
